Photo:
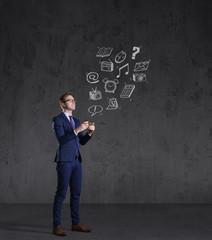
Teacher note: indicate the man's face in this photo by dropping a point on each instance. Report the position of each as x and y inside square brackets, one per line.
[69, 103]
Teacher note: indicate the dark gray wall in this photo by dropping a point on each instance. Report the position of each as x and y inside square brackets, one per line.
[157, 148]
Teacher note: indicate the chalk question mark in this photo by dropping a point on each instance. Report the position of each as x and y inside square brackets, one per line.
[137, 50]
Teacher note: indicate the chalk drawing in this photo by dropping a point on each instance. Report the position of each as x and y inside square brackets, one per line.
[113, 104]
[95, 109]
[120, 57]
[107, 66]
[127, 91]
[141, 66]
[109, 63]
[126, 72]
[137, 50]
[110, 85]
[139, 77]
[104, 52]
[95, 94]
[92, 77]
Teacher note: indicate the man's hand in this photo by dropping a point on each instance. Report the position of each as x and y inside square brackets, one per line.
[82, 127]
[91, 128]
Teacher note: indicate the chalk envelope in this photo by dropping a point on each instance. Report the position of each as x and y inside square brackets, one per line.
[141, 66]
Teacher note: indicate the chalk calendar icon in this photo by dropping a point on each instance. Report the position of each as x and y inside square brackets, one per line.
[127, 91]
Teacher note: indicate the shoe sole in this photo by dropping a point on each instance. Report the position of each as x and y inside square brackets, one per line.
[60, 235]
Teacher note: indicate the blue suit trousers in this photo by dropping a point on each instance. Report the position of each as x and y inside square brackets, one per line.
[68, 174]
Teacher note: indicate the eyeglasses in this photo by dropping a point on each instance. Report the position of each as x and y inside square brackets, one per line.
[70, 100]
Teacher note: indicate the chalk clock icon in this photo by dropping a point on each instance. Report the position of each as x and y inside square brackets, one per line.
[110, 85]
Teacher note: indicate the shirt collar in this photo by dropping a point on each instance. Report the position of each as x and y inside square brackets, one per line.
[67, 115]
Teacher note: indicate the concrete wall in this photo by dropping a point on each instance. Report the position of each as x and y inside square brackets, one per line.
[156, 148]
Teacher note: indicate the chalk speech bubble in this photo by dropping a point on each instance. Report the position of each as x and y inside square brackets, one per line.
[95, 109]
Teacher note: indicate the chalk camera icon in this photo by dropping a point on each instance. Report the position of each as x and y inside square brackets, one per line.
[139, 77]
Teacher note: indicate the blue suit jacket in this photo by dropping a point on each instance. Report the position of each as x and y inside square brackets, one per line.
[68, 141]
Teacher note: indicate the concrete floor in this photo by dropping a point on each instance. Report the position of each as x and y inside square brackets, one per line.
[110, 222]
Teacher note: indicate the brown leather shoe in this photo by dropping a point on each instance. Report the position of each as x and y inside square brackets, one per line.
[80, 228]
[59, 231]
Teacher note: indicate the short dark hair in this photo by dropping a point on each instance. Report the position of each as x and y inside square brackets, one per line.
[62, 98]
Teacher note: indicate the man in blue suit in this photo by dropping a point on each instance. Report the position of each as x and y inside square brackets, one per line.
[69, 134]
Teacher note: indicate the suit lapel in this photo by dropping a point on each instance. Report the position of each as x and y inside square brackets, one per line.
[76, 122]
[64, 117]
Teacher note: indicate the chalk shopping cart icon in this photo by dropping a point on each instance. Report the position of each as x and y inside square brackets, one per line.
[127, 91]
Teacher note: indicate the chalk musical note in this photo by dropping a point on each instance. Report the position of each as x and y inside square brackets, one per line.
[126, 72]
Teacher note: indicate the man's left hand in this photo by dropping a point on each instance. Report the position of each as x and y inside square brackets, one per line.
[91, 128]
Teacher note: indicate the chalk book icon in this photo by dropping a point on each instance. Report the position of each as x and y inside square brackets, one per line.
[95, 109]
[107, 66]
[120, 57]
[113, 104]
[95, 94]
[139, 77]
[127, 91]
[141, 66]
[92, 77]
[104, 52]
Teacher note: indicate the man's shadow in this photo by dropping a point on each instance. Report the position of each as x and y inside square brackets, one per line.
[13, 226]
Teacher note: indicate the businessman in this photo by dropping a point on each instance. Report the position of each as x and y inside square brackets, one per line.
[69, 134]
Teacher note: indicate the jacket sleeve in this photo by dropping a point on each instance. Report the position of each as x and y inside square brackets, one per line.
[62, 135]
[83, 139]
